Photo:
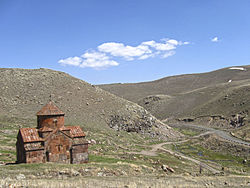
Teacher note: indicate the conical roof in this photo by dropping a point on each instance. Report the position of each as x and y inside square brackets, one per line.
[50, 109]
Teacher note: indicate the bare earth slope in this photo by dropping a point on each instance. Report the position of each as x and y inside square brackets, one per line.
[218, 98]
[23, 93]
[176, 84]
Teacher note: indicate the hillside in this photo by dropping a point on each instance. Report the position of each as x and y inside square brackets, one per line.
[218, 98]
[176, 84]
[126, 140]
[24, 92]
[103, 116]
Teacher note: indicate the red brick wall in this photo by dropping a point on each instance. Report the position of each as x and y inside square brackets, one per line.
[49, 121]
[79, 154]
[58, 147]
[44, 134]
[35, 156]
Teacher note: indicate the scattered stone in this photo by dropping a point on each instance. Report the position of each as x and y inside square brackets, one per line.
[92, 141]
[62, 172]
[20, 177]
[32, 177]
[237, 120]
[74, 172]
[143, 125]
[100, 174]
[86, 170]
[166, 168]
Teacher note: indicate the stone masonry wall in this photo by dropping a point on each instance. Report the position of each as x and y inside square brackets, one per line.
[79, 154]
[58, 148]
[35, 156]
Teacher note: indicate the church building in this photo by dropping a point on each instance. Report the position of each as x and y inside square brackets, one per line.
[51, 141]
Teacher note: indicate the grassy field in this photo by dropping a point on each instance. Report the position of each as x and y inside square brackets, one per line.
[230, 163]
[111, 155]
[111, 164]
[133, 182]
[108, 157]
[187, 131]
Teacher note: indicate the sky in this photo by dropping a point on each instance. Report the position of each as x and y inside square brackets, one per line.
[111, 41]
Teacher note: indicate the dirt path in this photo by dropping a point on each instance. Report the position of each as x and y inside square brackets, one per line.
[208, 130]
[156, 147]
[177, 154]
[223, 134]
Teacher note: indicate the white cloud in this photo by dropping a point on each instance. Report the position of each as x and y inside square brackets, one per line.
[160, 46]
[97, 60]
[143, 51]
[75, 61]
[89, 59]
[120, 50]
[95, 56]
[184, 43]
[172, 41]
[168, 44]
[215, 39]
[106, 52]
[168, 54]
[146, 56]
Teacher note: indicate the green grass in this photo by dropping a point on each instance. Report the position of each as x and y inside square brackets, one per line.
[199, 151]
[140, 148]
[187, 132]
[110, 152]
[8, 152]
[7, 142]
[115, 159]
[232, 162]
[8, 133]
[102, 159]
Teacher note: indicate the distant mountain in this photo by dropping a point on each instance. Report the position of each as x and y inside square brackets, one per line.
[24, 92]
[218, 98]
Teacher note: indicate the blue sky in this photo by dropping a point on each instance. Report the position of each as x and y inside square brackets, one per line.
[107, 41]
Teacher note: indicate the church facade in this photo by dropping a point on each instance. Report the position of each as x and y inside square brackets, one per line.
[51, 141]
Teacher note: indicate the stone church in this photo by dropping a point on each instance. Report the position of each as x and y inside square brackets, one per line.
[51, 141]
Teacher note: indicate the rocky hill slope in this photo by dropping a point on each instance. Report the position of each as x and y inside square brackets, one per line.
[23, 93]
[218, 98]
[124, 136]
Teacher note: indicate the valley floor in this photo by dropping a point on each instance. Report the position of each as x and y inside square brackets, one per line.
[201, 158]
[223, 134]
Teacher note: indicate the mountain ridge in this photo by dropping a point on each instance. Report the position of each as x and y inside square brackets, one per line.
[192, 96]
[25, 91]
